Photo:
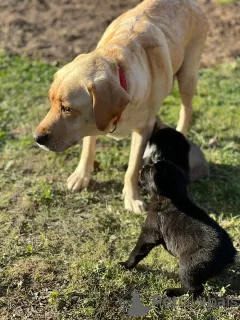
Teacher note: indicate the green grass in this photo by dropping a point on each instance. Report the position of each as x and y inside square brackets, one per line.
[59, 250]
[227, 2]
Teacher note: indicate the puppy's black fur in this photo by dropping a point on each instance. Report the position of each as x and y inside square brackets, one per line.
[168, 144]
[185, 230]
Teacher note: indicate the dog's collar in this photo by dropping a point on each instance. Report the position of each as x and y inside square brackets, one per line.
[123, 83]
[122, 78]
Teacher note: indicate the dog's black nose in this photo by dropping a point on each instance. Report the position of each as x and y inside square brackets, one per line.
[41, 139]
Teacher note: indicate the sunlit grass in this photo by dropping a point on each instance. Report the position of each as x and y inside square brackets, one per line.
[59, 250]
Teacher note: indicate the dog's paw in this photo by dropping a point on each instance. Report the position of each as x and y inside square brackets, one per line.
[135, 205]
[78, 180]
[131, 196]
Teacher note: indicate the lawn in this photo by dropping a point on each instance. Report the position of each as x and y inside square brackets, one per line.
[59, 250]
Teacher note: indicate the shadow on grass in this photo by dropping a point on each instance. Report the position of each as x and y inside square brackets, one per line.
[228, 278]
[106, 186]
[209, 300]
[224, 170]
[220, 193]
[235, 139]
[157, 272]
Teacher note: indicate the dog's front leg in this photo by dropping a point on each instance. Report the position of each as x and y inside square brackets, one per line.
[80, 178]
[131, 194]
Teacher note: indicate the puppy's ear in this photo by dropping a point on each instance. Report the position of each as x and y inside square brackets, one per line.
[109, 100]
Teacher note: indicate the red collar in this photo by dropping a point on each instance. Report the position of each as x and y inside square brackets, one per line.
[123, 83]
[122, 78]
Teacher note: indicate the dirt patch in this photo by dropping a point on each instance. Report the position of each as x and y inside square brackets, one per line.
[223, 43]
[59, 30]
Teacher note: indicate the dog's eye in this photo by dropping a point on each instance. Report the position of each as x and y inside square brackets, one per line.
[65, 109]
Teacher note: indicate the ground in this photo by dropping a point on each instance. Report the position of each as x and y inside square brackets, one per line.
[58, 31]
[59, 250]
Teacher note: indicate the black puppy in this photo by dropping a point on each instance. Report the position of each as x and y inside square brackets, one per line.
[185, 230]
[168, 144]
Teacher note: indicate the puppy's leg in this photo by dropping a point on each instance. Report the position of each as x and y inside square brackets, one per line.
[192, 276]
[149, 238]
[81, 176]
[177, 292]
[193, 273]
[187, 80]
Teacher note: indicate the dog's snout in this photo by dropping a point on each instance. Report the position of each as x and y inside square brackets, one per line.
[41, 139]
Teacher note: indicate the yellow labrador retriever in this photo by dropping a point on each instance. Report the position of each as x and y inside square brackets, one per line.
[118, 88]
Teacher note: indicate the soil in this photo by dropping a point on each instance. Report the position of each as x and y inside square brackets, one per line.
[59, 30]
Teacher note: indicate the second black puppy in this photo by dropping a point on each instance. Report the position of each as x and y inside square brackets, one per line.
[185, 230]
[171, 145]
[168, 144]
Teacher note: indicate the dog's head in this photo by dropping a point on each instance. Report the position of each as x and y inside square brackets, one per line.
[85, 97]
[163, 178]
[171, 145]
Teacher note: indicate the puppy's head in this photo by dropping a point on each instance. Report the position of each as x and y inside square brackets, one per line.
[85, 97]
[164, 178]
[171, 145]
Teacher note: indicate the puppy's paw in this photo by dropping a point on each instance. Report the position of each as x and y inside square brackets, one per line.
[78, 180]
[173, 292]
[125, 264]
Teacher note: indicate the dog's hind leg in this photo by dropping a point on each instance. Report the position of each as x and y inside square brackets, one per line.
[187, 77]
[149, 238]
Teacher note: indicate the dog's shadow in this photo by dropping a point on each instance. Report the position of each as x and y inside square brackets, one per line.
[220, 193]
[106, 187]
[229, 278]
[149, 272]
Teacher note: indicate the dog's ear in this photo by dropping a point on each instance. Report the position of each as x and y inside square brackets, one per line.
[109, 100]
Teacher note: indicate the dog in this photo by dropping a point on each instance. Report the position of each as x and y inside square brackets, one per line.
[166, 143]
[203, 248]
[117, 88]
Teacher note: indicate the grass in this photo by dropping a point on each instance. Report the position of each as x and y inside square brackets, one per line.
[227, 2]
[59, 250]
